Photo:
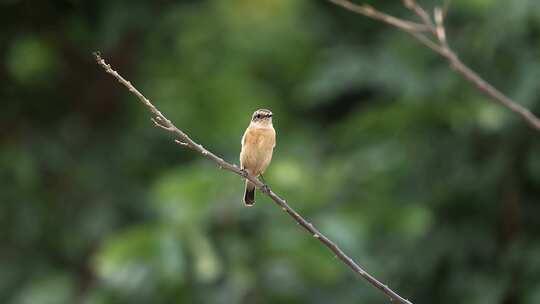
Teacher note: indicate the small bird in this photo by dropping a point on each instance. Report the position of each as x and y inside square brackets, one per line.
[257, 146]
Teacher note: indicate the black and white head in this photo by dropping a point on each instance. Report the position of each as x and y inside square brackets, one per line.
[262, 117]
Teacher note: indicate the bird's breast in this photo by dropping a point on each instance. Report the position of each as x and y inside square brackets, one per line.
[257, 148]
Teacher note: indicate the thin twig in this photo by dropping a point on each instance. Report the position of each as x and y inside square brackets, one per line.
[183, 139]
[371, 12]
[420, 12]
[437, 42]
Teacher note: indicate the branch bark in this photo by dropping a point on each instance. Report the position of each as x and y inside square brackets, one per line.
[183, 139]
[431, 32]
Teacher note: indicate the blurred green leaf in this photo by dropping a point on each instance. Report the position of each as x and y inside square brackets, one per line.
[32, 59]
[136, 259]
[50, 289]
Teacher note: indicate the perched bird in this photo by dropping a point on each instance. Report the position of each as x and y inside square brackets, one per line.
[257, 146]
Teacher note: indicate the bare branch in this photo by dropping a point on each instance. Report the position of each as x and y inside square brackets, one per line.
[185, 140]
[420, 12]
[437, 42]
[428, 42]
[371, 12]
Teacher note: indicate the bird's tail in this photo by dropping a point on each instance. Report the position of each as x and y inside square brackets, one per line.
[249, 194]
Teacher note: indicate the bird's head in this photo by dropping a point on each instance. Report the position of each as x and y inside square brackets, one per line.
[262, 117]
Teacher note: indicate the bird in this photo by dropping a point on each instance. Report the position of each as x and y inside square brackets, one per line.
[258, 145]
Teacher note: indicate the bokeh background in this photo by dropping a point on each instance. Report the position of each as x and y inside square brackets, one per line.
[425, 182]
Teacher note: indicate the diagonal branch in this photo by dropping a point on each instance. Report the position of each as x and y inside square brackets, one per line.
[432, 34]
[371, 12]
[182, 138]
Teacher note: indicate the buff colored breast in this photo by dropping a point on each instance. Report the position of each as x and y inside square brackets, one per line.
[257, 147]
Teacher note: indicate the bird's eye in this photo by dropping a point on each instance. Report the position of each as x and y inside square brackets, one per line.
[258, 116]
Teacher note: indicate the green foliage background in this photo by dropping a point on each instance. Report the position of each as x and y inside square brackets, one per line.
[419, 177]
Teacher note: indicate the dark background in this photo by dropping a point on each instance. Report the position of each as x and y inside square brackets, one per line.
[424, 181]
